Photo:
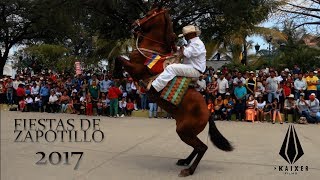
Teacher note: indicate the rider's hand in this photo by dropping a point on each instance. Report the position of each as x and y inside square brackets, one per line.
[181, 51]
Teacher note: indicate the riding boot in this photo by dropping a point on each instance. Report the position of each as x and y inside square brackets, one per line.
[153, 94]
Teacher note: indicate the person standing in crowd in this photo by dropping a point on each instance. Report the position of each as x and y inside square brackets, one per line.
[290, 108]
[312, 82]
[2, 92]
[104, 84]
[229, 103]
[296, 69]
[153, 109]
[129, 89]
[223, 86]
[88, 104]
[272, 87]
[143, 98]
[45, 93]
[240, 93]
[260, 89]
[10, 90]
[300, 86]
[20, 93]
[251, 83]
[318, 86]
[114, 94]
[212, 88]
[35, 90]
[237, 79]
[201, 85]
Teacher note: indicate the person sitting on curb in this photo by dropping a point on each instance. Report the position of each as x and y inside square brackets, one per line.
[290, 108]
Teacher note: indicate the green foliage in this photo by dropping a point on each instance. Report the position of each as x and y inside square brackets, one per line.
[240, 67]
[49, 56]
[306, 57]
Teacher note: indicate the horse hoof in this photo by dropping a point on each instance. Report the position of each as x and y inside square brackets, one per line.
[185, 173]
[182, 162]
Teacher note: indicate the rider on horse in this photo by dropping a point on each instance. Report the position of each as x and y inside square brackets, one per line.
[194, 60]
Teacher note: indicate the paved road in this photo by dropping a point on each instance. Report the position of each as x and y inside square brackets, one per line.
[136, 148]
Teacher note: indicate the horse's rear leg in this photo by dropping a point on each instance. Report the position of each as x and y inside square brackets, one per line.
[187, 161]
[199, 150]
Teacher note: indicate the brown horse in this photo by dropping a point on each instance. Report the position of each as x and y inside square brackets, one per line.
[155, 34]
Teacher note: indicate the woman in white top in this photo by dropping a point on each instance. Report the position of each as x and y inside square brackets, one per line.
[260, 107]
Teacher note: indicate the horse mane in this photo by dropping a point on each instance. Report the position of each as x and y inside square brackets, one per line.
[170, 36]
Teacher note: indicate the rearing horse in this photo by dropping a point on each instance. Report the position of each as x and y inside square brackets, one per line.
[155, 35]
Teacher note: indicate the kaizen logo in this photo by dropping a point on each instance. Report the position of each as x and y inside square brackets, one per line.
[291, 150]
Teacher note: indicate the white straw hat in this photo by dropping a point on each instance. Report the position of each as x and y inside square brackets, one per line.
[190, 29]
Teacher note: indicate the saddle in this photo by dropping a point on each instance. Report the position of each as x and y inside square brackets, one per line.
[177, 87]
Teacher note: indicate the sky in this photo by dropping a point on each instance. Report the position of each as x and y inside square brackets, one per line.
[258, 39]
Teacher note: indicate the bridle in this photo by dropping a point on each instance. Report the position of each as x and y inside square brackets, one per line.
[137, 27]
[137, 24]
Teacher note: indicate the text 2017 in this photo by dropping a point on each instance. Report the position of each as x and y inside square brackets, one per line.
[55, 158]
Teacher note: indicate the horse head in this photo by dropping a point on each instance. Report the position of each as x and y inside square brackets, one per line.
[155, 29]
[154, 35]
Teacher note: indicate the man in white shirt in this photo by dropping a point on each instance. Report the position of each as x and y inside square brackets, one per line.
[223, 86]
[194, 61]
[237, 79]
[300, 85]
[201, 85]
[35, 90]
[52, 104]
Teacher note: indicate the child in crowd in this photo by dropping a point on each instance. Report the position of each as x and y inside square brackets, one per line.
[82, 104]
[130, 107]
[88, 101]
[29, 103]
[99, 107]
[38, 103]
[22, 105]
[276, 111]
[123, 106]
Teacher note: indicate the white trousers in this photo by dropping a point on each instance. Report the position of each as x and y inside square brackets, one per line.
[172, 71]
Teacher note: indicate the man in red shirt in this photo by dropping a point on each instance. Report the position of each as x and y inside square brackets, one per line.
[113, 94]
[21, 92]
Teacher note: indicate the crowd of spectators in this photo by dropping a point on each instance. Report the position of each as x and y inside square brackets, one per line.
[257, 95]
[87, 93]
[249, 96]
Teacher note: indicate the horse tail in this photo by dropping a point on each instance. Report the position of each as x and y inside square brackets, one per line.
[217, 138]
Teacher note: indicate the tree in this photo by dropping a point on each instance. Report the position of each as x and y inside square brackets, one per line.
[25, 21]
[305, 12]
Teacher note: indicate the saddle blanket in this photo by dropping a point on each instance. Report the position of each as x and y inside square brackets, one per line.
[175, 90]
